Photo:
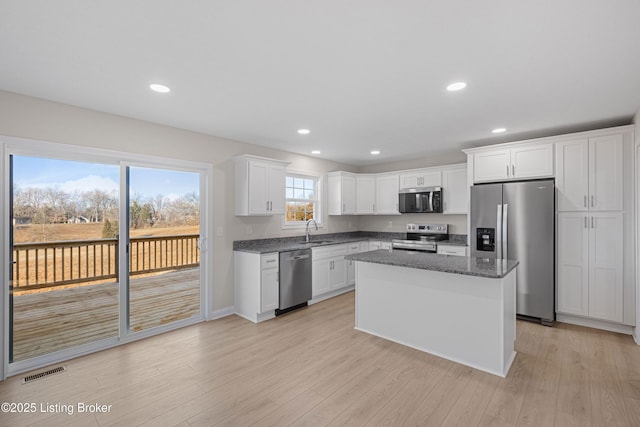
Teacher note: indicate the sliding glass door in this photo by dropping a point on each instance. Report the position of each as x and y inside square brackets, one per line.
[164, 246]
[100, 253]
[64, 287]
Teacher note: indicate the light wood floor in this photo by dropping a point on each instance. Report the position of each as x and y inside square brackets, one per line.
[311, 368]
[59, 319]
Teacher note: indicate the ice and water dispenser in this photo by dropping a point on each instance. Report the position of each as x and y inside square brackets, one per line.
[486, 239]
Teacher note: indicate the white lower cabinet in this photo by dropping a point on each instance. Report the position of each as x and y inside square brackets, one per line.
[354, 248]
[456, 250]
[256, 285]
[377, 244]
[590, 256]
[329, 269]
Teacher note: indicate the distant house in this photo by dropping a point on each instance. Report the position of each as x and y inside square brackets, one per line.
[22, 220]
[77, 220]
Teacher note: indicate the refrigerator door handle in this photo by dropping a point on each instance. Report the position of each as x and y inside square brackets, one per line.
[499, 232]
[505, 229]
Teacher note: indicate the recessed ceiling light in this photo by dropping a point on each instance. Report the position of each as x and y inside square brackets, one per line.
[159, 88]
[499, 130]
[456, 86]
[315, 152]
[304, 131]
[375, 152]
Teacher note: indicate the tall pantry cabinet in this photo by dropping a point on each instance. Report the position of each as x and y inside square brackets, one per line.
[595, 231]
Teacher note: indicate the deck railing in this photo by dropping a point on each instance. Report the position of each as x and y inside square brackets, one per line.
[51, 264]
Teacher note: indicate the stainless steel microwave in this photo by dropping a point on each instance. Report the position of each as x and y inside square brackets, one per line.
[420, 200]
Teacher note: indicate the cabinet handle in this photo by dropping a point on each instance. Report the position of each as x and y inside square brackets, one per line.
[585, 200]
[593, 201]
[592, 224]
[344, 207]
[271, 206]
[267, 205]
[507, 170]
[271, 260]
[513, 170]
[586, 225]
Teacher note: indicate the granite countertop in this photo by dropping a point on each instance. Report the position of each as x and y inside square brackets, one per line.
[283, 244]
[469, 266]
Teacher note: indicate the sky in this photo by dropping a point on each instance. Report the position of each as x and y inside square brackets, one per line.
[71, 176]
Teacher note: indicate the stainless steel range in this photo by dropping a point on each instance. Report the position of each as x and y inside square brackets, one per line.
[422, 237]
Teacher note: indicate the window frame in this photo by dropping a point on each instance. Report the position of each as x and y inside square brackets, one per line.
[317, 212]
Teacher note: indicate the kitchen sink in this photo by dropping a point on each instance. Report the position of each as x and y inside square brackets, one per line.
[319, 242]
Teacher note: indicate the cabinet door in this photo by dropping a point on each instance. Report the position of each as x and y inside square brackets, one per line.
[277, 177]
[387, 188]
[605, 266]
[320, 276]
[572, 175]
[374, 245]
[338, 273]
[605, 173]
[334, 195]
[365, 194]
[348, 195]
[455, 191]
[573, 263]
[421, 178]
[270, 292]
[409, 180]
[492, 165]
[258, 188]
[532, 161]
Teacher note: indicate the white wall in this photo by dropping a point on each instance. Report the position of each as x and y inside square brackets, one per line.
[32, 118]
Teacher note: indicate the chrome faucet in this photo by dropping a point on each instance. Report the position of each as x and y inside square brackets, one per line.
[315, 223]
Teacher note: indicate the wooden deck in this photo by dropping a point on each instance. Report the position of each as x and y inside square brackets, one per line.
[64, 318]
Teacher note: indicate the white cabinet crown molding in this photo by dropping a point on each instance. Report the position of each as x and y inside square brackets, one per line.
[552, 138]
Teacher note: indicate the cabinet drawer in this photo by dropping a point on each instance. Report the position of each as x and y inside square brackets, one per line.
[328, 251]
[452, 250]
[269, 260]
[355, 247]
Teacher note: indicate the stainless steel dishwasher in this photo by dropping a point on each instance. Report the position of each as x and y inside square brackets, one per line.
[295, 280]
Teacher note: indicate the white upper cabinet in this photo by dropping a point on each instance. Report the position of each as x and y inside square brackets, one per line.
[366, 194]
[455, 190]
[516, 162]
[260, 186]
[572, 175]
[387, 194]
[605, 173]
[342, 193]
[492, 165]
[589, 174]
[420, 178]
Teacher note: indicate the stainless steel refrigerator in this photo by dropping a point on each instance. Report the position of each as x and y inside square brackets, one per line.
[516, 220]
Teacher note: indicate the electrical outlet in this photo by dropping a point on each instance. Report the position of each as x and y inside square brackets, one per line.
[249, 229]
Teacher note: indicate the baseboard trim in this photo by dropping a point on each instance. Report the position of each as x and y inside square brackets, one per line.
[636, 335]
[222, 312]
[331, 294]
[597, 324]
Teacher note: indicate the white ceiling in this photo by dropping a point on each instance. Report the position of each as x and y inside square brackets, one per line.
[360, 74]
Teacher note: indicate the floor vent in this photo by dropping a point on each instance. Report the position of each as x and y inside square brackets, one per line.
[30, 378]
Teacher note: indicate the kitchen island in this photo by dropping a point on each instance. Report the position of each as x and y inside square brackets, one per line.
[459, 308]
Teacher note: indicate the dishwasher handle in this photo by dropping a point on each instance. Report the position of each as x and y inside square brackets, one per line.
[300, 257]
